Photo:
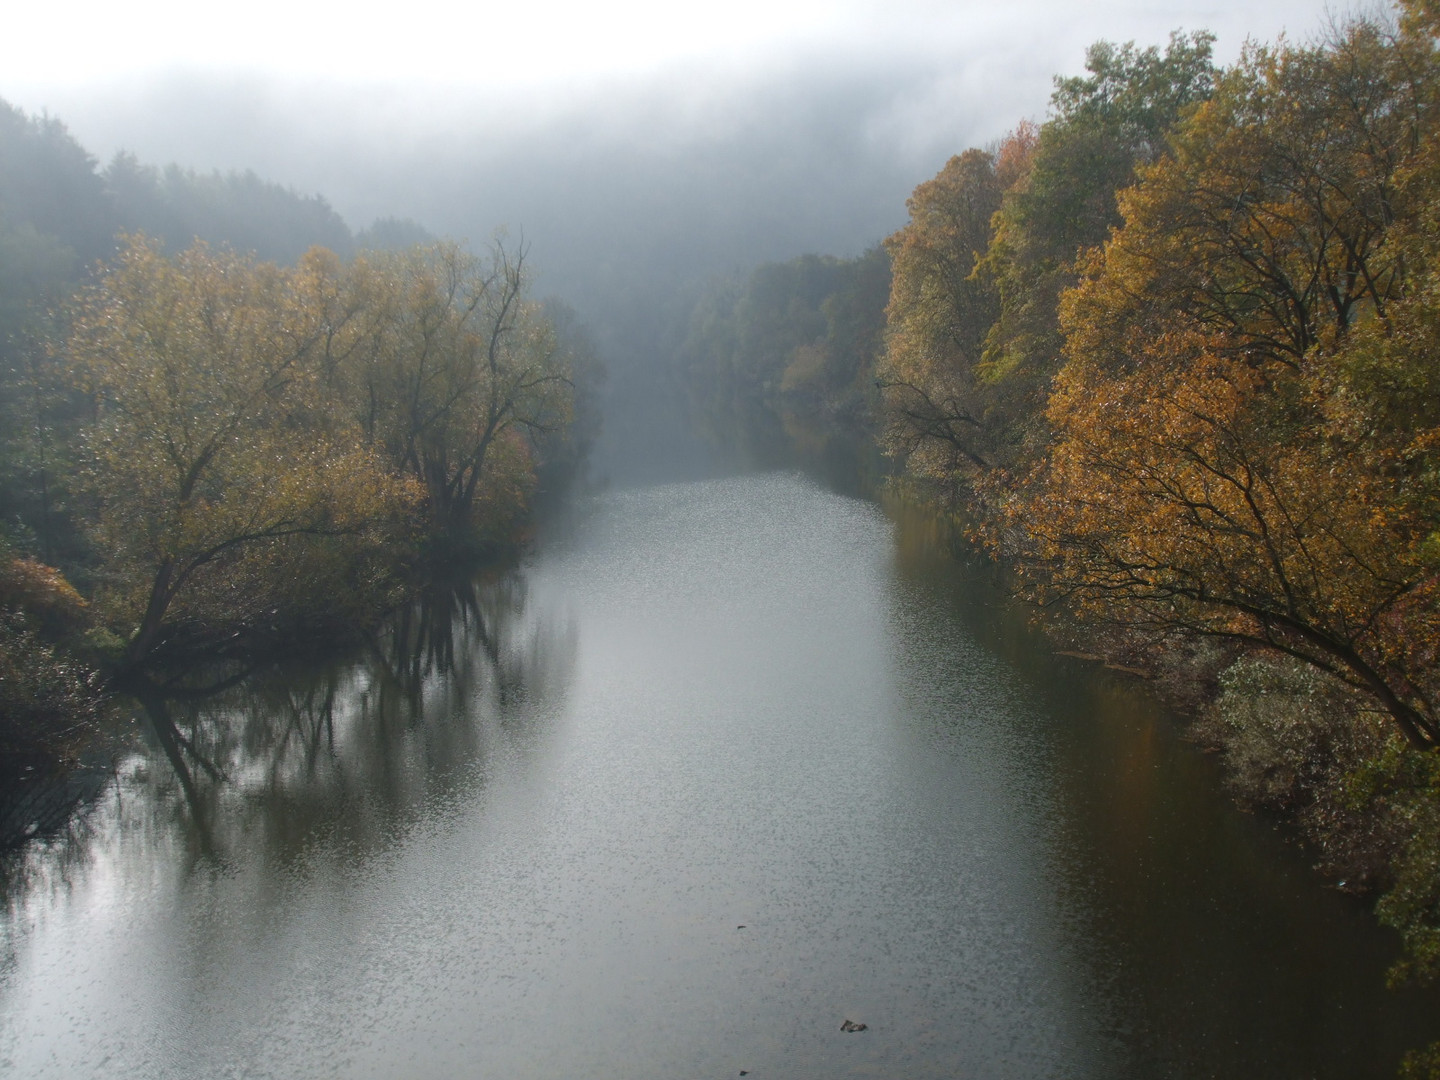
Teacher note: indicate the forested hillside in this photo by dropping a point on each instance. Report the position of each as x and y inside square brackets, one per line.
[784, 358]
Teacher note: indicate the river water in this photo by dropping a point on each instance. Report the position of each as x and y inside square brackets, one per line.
[727, 765]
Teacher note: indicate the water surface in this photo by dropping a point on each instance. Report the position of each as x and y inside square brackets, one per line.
[734, 762]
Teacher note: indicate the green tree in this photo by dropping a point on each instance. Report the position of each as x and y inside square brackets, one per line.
[37, 276]
[48, 183]
[238, 209]
[1103, 126]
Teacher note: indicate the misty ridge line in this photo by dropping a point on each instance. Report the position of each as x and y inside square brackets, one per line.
[725, 171]
[684, 168]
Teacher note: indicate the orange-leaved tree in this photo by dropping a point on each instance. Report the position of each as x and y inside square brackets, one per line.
[1231, 456]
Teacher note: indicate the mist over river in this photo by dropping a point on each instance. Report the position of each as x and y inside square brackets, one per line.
[725, 765]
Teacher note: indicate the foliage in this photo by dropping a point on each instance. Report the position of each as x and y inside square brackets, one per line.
[42, 593]
[938, 315]
[795, 342]
[1186, 374]
[214, 454]
[47, 700]
[1298, 741]
[1407, 785]
[1205, 474]
[1287, 730]
[1167, 502]
[1270, 225]
[454, 358]
[561, 453]
[52, 188]
[973, 333]
[392, 234]
[59, 216]
[254, 441]
[239, 209]
[228, 436]
[36, 277]
[1103, 126]
[1422, 1064]
[49, 186]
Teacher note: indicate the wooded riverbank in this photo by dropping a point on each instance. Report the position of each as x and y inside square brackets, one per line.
[1170, 357]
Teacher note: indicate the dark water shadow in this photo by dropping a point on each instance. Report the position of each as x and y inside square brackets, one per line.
[349, 751]
[1203, 939]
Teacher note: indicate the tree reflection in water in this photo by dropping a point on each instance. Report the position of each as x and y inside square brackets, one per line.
[343, 754]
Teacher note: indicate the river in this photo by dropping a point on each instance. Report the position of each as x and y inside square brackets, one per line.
[724, 766]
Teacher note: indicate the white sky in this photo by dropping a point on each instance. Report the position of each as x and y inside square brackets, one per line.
[370, 103]
[63, 46]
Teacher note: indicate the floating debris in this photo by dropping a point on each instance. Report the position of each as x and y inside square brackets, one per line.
[850, 1025]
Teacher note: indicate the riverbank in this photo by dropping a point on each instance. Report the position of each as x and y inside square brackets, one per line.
[1310, 755]
[67, 697]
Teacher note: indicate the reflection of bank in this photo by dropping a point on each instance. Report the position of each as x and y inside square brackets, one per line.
[355, 748]
[37, 803]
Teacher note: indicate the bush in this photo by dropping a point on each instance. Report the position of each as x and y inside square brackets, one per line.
[1289, 731]
[1294, 740]
[1297, 740]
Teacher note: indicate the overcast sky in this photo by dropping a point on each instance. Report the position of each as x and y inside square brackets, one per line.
[457, 114]
[751, 129]
[561, 53]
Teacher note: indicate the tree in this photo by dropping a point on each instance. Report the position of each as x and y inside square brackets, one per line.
[48, 183]
[1245, 432]
[1103, 126]
[392, 234]
[1181, 500]
[37, 275]
[180, 206]
[458, 367]
[938, 316]
[1271, 223]
[215, 458]
[783, 361]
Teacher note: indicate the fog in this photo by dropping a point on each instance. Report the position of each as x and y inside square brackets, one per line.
[638, 154]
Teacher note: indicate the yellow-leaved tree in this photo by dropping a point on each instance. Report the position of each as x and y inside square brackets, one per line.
[458, 369]
[218, 462]
[937, 318]
[1236, 451]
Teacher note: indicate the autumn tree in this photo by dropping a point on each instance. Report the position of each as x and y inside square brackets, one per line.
[458, 370]
[939, 314]
[216, 463]
[1243, 447]
[1103, 126]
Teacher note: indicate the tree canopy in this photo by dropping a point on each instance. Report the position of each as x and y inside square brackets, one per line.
[1182, 365]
